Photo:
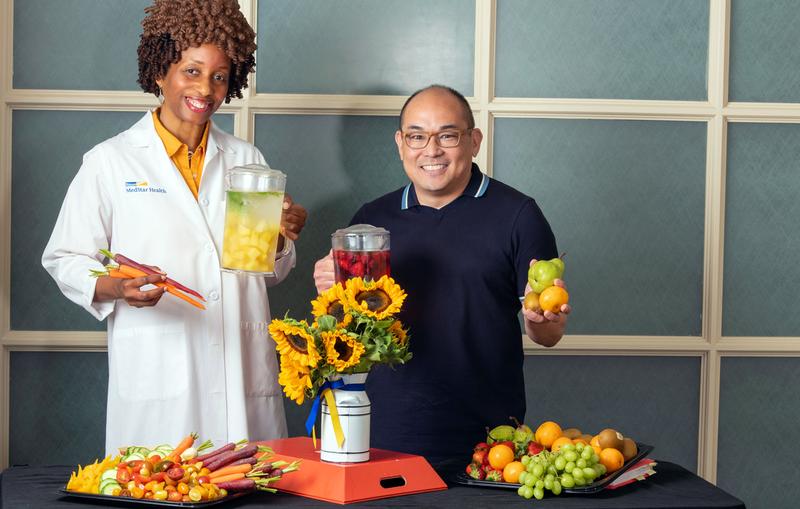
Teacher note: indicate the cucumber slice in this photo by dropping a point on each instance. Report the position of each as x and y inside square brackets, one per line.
[133, 457]
[111, 473]
[109, 487]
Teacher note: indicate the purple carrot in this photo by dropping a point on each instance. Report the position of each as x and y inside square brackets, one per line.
[225, 448]
[230, 456]
[252, 460]
[238, 485]
[124, 260]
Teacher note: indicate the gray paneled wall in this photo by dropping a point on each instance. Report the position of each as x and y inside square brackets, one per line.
[77, 44]
[762, 229]
[764, 54]
[364, 47]
[626, 201]
[759, 409]
[614, 49]
[58, 407]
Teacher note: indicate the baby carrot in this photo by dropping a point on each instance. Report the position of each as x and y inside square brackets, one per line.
[132, 272]
[234, 469]
[184, 444]
[227, 478]
[117, 274]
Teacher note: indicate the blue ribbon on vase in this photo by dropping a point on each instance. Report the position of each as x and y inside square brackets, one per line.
[326, 390]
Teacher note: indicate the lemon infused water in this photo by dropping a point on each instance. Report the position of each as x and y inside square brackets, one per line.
[254, 202]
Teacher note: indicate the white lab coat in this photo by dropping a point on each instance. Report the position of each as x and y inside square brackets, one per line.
[173, 368]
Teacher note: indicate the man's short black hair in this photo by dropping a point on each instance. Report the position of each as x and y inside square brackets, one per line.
[455, 93]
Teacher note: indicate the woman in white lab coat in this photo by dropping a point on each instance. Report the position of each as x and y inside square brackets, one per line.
[174, 368]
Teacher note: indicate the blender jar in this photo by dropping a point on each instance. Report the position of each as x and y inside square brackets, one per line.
[361, 250]
[253, 206]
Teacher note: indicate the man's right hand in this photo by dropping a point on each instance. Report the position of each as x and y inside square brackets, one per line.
[129, 290]
[324, 277]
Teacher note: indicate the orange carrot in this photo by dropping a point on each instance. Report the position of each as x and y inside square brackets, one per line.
[227, 478]
[187, 442]
[177, 293]
[235, 469]
[132, 272]
[116, 273]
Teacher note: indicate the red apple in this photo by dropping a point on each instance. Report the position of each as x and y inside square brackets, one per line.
[534, 448]
[481, 446]
[480, 456]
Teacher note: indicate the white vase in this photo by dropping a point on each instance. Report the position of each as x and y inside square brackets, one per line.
[354, 411]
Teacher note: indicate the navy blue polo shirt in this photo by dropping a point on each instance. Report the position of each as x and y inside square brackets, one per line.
[464, 267]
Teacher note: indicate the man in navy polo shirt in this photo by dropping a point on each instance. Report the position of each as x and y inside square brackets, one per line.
[461, 246]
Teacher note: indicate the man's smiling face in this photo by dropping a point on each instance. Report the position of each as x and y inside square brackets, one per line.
[439, 174]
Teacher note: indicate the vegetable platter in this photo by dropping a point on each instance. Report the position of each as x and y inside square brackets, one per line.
[182, 474]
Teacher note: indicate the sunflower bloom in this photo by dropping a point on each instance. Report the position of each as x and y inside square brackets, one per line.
[294, 342]
[343, 351]
[334, 303]
[399, 334]
[377, 299]
[295, 379]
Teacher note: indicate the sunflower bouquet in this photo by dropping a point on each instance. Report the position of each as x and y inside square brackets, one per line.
[354, 327]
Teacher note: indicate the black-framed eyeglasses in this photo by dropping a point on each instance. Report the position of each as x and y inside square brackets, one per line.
[448, 138]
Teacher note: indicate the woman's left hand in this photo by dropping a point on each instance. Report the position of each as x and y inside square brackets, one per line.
[293, 218]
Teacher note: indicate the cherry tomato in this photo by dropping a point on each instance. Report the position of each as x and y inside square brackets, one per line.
[123, 475]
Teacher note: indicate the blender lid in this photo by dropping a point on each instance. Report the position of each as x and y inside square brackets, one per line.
[361, 237]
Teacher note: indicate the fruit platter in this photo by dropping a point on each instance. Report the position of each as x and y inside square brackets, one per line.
[551, 459]
[183, 475]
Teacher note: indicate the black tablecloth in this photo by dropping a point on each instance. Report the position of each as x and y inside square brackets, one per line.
[671, 487]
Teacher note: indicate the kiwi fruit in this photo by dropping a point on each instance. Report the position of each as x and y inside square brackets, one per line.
[610, 438]
[571, 433]
[629, 449]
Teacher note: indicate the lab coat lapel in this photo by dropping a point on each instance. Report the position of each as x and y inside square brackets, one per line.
[144, 134]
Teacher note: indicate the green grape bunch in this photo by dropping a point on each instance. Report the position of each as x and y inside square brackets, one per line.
[573, 465]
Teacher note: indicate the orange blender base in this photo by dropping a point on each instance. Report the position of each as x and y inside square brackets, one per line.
[386, 474]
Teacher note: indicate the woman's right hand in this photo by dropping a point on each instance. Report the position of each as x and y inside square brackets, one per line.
[129, 290]
[324, 277]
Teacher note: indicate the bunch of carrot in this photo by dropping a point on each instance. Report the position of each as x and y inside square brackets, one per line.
[242, 467]
[127, 269]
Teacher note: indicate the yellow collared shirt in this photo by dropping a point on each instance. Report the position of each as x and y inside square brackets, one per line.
[189, 165]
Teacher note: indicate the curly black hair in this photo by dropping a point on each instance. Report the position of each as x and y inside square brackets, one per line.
[171, 26]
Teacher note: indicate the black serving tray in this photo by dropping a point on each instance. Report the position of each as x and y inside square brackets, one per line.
[596, 486]
[150, 502]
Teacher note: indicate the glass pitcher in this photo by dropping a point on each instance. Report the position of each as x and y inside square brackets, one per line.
[361, 250]
[253, 206]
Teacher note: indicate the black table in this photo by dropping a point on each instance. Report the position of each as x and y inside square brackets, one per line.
[671, 487]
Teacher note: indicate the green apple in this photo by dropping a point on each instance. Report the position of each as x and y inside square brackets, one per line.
[541, 275]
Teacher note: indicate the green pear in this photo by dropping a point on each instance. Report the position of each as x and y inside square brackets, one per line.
[541, 275]
[559, 263]
[522, 434]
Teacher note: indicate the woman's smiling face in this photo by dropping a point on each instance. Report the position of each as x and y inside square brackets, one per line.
[194, 87]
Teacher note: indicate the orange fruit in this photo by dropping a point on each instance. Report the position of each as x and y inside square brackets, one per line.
[562, 440]
[595, 441]
[512, 470]
[547, 433]
[552, 298]
[500, 455]
[597, 449]
[612, 459]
